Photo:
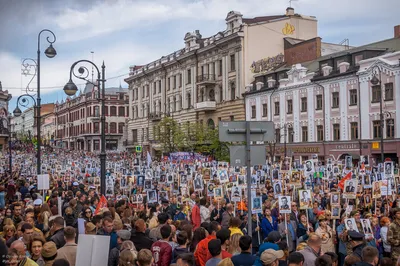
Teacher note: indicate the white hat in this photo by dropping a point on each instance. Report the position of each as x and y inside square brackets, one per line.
[37, 202]
[75, 183]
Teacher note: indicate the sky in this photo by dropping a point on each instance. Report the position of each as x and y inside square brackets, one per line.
[124, 33]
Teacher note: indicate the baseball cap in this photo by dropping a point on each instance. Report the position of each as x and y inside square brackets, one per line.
[270, 255]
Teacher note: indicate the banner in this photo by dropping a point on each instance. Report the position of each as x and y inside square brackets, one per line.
[102, 204]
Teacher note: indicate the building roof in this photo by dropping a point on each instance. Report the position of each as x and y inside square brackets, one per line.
[262, 19]
[110, 90]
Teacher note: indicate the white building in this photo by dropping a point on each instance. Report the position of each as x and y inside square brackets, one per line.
[329, 107]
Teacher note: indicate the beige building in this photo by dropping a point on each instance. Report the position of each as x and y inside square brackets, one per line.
[205, 80]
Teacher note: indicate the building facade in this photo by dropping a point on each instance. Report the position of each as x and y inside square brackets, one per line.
[329, 108]
[204, 81]
[22, 125]
[78, 125]
[48, 129]
[5, 123]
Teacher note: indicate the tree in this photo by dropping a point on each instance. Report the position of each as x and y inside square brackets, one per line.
[170, 135]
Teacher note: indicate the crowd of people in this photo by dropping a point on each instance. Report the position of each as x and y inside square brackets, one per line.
[190, 213]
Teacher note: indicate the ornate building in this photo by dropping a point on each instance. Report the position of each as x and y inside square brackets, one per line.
[78, 120]
[205, 80]
[328, 106]
[5, 126]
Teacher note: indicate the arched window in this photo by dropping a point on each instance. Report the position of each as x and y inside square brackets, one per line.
[106, 128]
[189, 100]
[121, 111]
[113, 111]
[210, 124]
[121, 128]
[113, 127]
[211, 95]
[96, 111]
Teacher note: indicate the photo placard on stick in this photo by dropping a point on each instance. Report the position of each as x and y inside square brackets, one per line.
[376, 189]
[284, 204]
[256, 205]
[236, 193]
[350, 224]
[305, 199]
[350, 189]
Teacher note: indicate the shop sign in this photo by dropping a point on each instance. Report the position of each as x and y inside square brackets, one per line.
[298, 150]
[375, 145]
[351, 146]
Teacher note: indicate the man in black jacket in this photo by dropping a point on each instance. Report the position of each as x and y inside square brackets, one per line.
[58, 232]
[139, 237]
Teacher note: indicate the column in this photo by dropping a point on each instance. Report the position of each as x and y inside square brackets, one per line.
[296, 116]
[343, 104]
[365, 102]
[183, 89]
[194, 88]
[327, 106]
[130, 102]
[310, 114]
[397, 99]
[224, 77]
[237, 81]
[163, 93]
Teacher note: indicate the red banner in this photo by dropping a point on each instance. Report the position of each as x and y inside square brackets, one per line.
[343, 180]
[102, 204]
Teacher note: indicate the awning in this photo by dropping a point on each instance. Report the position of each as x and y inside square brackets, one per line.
[353, 155]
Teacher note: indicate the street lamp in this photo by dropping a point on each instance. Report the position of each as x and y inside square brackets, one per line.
[285, 128]
[70, 89]
[375, 81]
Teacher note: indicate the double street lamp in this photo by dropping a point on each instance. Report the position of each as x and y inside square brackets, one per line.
[50, 52]
[285, 128]
[70, 89]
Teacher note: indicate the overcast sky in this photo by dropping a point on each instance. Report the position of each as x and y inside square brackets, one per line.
[135, 32]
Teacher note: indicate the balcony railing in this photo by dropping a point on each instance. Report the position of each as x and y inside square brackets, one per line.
[155, 116]
[128, 143]
[206, 106]
[206, 78]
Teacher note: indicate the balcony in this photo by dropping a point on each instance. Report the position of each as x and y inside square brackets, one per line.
[95, 117]
[155, 116]
[206, 106]
[206, 79]
[130, 143]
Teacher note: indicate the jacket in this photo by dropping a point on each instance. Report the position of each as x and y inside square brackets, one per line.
[113, 237]
[357, 250]
[141, 241]
[226, 217]
[243, 259]
[235, 230]
[309, 256]
[162, 253]
[195, 217]
[393, 237]
[214, 213]
[178, 251]
[267, 227]
[264, 246]
[282, 228]
[113, 257]
[58, 238]
[202, 254]
[27, 262]
[155, 233]
[180, 216]
[68, 252]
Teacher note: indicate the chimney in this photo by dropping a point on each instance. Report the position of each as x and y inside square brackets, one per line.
[397, 31]
[290, 11]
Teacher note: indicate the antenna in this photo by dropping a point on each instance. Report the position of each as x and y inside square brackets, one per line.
[92, 66]
[290, 2]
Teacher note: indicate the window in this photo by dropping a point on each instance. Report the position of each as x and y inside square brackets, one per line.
[304, 104]
[289, 106]
[336, 131]
[253, 111]
[358, 58]
[174, 87]
[353, 97]
[147, 90]
[113, 111]
[154, 87]
[376, 127]
[389, 91]
[137, 94]
[335, 99]
[233, 66]
[96, 111]
[143, 92]
[264, 110]
[233, 92]
[376, 93]
[106, 110]
[189, 100]
[232, 118]
[169, 84]
[96, 145]
[278, 135]
[180, 80]
[121, 111]
[189, 76]
[96, 127]
[354, 130]
[220, 68]
[390, 128]
[159, 86]
[106, 128]
[113, 127]
[121, 128]
[304, 134]
[320, 133]
[290, 135]
[276, 108]
[319, 102]
[134, 135]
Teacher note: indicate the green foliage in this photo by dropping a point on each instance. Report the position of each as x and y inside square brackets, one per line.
[193, 136]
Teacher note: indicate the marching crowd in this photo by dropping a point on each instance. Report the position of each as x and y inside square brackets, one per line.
[186, 227]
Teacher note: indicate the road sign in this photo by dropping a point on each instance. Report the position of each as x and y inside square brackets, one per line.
[375, 145]
[238, 155]
[138, 148]
[235, 131]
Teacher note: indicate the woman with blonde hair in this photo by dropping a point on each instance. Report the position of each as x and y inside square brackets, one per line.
[234, 244]
[44, 215]
[126, 258]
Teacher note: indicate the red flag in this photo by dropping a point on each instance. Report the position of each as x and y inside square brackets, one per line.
[102, 204]
[343, 180]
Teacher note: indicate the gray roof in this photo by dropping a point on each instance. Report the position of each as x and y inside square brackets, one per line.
[110, 90]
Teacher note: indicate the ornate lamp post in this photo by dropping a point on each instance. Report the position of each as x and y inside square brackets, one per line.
[70, 89]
